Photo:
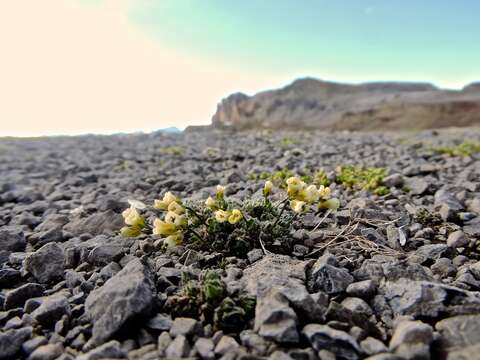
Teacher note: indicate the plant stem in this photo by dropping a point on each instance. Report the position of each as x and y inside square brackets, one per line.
[285, 203]
[202, 220]
[195, 233]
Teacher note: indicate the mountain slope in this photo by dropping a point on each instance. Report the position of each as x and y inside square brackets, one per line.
[310, 103]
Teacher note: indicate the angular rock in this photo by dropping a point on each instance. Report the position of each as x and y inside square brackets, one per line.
[458, 332]
[457, 239]
[328, 278]
[127, 295]
[47, 352]
[110, 349]
[428, 299]
[12, 239]
[17, 297]
[185, 327]
[46, 264]
[51, 310]
[338, 342]
[98, 223]
[275, 319]
[11, 341]
[178, 348]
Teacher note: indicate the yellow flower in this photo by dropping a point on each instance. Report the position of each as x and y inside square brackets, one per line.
[211, 203]
[220, 192]
[163, 204]
[162, 228]
[222, 216]
[132, 217]
[180, 221]
[130, 231]
[170, 217]
[298, 206]
[235, 216]
[294, 186]
[324, 192]
[267, 188]
[173, 240]
[310, 194]
[176, 208]
[332, 204]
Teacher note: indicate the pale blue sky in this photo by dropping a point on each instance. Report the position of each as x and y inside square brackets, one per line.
[104, 66]
[425, 40]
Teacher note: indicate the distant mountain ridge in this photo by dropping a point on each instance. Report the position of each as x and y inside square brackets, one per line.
[315, 104]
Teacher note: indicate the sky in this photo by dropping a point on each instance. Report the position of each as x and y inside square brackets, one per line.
[107, 66]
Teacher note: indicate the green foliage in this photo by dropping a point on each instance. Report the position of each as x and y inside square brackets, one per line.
[427, 218]
[362, 178]
[464, 149]
[259, 224]
[172, 150]
[288, 141]
[206, 298]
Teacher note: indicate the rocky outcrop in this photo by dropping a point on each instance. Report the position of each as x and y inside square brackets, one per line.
[310, 103]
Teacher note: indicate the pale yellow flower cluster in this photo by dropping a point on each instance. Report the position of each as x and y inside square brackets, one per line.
[232, 217]
[174, 222]
[302, 196]
[135, 222]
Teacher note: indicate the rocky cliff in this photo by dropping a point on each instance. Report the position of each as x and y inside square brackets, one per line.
[311, 103]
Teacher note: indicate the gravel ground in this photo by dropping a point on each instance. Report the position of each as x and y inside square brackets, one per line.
[391, 276]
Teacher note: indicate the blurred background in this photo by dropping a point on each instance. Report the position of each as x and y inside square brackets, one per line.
[109, 66]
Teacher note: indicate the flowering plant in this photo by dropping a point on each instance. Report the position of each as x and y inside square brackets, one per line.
[231, 227]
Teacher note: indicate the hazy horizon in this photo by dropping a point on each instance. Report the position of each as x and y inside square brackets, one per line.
[92, 66]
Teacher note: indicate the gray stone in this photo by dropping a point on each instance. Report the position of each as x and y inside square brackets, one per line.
[178, 348]
[411, 332]
[164, 341]
[127, 295]
[46, 264]
[427, 299]
[51, 310]
[339, 342]
[275, 319]
[104, 254]
[372, 346]
[9, 277]
[160, 322]
[457, 239]
[358, 305]
[11, 341]
[328, 278]
[227, 344]
[279, 355]
[254, 255]
[467, 353]
[12, 239]
[98, 223]
[110, 349]
[417, 185]
[204, 347]
[17, 297]
[458, 332]
[185, 327]
[362, 289]
[47, 352]
[30, 345]
[393, 180]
